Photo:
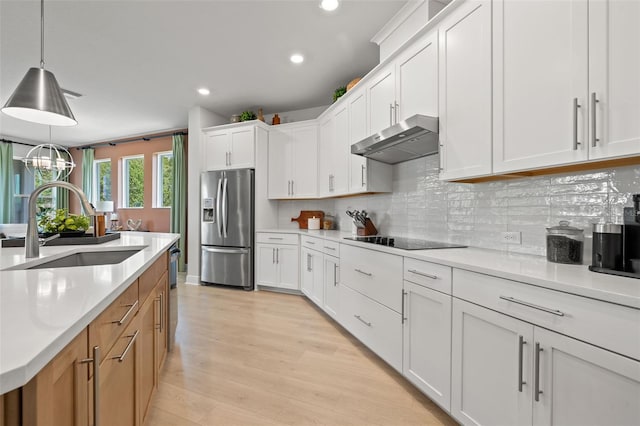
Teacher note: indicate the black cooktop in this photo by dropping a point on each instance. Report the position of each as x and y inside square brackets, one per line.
[405, 243]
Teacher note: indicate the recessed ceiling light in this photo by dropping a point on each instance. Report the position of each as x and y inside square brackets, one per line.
[297, 58]
[329, 5]
[203, 91]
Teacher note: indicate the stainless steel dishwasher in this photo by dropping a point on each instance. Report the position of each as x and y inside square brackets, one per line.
[174, 255]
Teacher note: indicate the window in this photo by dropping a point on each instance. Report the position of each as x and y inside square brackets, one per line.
[133, 181]
[101, 181]
[164, 179]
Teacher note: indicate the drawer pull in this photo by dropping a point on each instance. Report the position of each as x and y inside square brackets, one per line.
[124, 318]
[531, 305]
[433, 277]
[311, 242]
[96, 383]
[330, 248]
[536, 391]
[133, 337]
[369, 274]
[276, 238]
[368, 324]
[404, 293]
[521, 343]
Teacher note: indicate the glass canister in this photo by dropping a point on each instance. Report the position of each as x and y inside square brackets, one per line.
[565, 243]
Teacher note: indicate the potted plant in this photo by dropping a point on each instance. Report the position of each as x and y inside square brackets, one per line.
[63, 223]
[247, 115]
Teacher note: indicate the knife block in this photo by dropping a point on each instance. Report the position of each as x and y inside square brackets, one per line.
[369, 229]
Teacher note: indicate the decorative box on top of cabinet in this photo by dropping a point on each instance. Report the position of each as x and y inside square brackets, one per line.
[232, 146]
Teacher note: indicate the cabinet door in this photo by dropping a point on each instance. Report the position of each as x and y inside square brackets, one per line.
[266, 267]
[325, 155]
[486, 355]
[288, 261]
[341, 151]
[427, 342]
[614, 67]
[58, 394]
[417, 81]
[216, 148]
[382, 100]
[306, 273]
[280, 161]
[465, 91]
[358, 131]
[540, 83]
[118, 400]
[242, 148]
[305, 162]
[331, 280]
[147, 341]
[317, 270]
[581, 384]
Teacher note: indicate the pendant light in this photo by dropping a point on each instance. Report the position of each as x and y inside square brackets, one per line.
[38, 98]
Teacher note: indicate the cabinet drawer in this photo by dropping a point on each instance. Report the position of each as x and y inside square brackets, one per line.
[312, 243]
[427, 274]
[374, 274]
[268, 237]
[604, 324]
[151, 276]
[377, 326]
[104, 330]
[331, 247]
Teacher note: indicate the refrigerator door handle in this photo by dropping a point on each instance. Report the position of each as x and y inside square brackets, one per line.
[225, 207]
[219, 207]
[227, 250]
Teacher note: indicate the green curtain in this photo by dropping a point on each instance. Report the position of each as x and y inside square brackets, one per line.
[179, 200]
[87, 172]
[6, 182]
[62, 195]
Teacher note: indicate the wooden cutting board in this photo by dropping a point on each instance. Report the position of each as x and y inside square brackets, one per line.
[305, 215]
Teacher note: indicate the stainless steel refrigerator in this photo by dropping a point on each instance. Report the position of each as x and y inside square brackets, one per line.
[227, 228]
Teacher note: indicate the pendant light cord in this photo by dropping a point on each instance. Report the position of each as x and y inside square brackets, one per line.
[41, 33]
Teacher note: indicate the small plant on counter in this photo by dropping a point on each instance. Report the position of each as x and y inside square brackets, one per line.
[339, 92]
[61, 221]
[248, 115]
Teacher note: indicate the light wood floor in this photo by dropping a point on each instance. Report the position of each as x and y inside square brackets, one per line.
[263, 358]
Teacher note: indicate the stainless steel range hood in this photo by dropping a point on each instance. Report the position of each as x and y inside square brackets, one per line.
[415, 137]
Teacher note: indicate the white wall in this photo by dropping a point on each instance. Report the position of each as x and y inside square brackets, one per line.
[198, 119]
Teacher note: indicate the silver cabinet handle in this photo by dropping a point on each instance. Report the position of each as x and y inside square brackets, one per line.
[126, 314]
[276, 238]
[133, 337]
[229, 157]
[404, 294]
[531, 305]
[433, 277]
[277, 255]
[390, 114]
[575, 123]
[368, 324]
[308, 262]
[395, 110]
[594, 102]
[96, 383]
[369, 274]
[536, 384]
[311, 242]
[273, 255]
[335, 274]
[362, 174]
[521, 343]
[292, 191]
[288, 188]
[161, 311]
[330, 248]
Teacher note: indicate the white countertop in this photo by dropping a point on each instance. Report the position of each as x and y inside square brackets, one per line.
[535, 270]
[42, 310]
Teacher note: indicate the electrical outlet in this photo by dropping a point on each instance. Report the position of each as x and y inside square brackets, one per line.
[511, 237]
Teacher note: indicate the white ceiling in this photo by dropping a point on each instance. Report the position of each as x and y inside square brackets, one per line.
[138, 63]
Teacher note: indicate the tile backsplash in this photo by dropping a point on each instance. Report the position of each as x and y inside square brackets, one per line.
[422, 206]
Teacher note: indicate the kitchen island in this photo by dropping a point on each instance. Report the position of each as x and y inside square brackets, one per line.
[42, 311]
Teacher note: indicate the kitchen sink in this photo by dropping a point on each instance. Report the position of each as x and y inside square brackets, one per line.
[82, 258]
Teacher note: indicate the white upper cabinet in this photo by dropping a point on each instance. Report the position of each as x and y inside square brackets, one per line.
[381, 92]
[229, 147]
[614, 78]
[359, 130]
[293, 161]
[465, 91]
[334, 153]
[417, 79]
[540, 83]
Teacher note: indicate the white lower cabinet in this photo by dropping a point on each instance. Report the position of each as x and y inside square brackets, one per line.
[277, 260]
[507, 371]
[375, 325]
[427, 342]
[331, 303]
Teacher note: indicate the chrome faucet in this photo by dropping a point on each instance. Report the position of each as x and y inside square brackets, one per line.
[31, 241]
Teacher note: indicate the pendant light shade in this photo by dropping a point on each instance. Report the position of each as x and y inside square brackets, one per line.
[38, 98]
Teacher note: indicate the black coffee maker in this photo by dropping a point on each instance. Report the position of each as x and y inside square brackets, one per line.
[616, 248]
[631, 237]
